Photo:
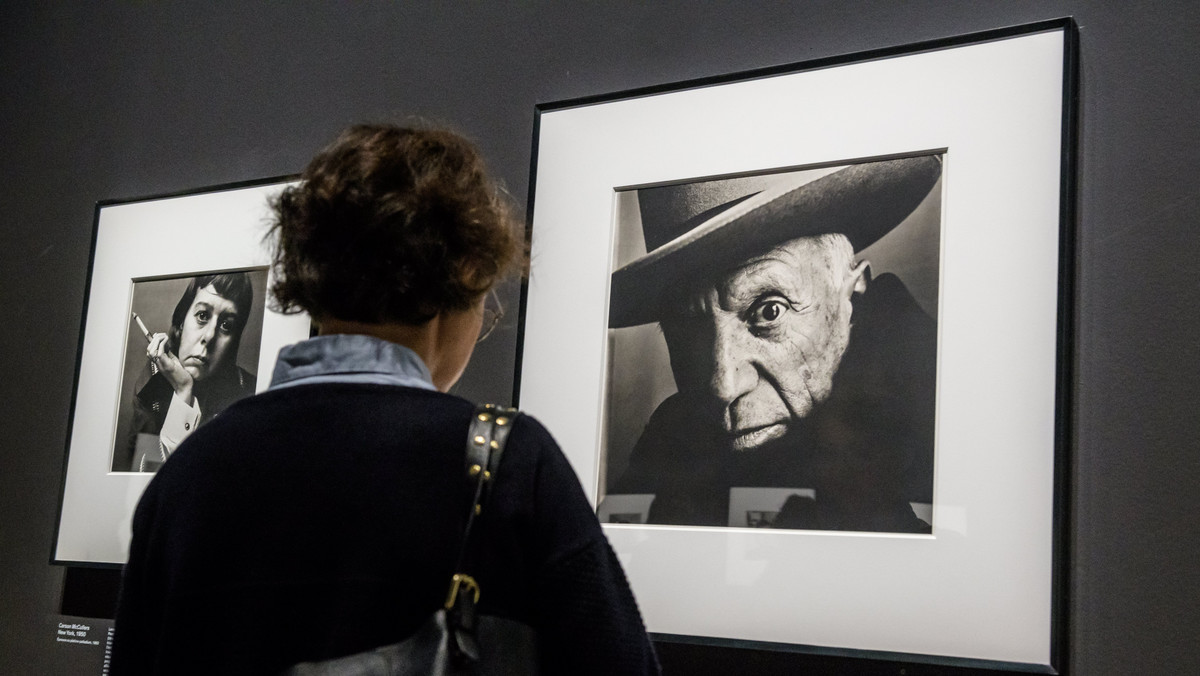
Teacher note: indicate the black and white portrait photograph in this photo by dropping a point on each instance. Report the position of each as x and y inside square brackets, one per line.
[798, 333]
[772, 352]
[191, 350]
[170, 338]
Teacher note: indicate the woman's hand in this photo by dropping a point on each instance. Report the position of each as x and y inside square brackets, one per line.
[168, 364]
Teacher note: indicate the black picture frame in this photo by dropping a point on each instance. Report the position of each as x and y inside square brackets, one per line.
[140, 243]
[570, 220]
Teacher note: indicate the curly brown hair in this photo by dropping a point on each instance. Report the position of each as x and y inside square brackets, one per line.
[392, 224]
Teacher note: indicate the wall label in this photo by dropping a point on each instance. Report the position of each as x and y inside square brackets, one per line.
[74, 632]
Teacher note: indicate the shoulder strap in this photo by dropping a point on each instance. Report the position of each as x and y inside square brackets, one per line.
[486, 438]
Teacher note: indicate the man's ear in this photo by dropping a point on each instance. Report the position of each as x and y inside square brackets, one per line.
[858, 279]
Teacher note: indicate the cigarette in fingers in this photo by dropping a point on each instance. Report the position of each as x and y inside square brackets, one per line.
[145, 331]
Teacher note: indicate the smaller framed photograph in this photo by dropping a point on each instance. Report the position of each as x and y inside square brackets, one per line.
[175, 329]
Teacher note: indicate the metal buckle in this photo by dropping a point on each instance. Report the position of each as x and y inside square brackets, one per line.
[461, 580]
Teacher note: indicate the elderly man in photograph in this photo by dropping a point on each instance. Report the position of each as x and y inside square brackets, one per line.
[795, 368]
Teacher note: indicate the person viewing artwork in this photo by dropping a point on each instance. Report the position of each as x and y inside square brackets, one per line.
[192, 371]
[322, 517]
[800, 379]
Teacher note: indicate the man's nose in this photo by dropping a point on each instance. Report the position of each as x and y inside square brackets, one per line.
[733, 374]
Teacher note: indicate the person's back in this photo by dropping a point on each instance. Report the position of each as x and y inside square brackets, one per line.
[323, 518]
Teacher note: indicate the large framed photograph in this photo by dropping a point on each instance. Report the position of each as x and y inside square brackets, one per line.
[176, 328]
[804, 335]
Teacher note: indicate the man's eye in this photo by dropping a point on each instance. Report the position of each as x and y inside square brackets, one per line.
[767, 312]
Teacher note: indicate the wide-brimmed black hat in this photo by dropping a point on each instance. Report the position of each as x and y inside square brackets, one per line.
[696, 230]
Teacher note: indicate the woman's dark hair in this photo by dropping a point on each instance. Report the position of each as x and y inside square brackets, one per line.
[391, 224]
[232, 286]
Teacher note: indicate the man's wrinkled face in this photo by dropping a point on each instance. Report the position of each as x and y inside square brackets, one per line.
[763, 343]
[209, 330]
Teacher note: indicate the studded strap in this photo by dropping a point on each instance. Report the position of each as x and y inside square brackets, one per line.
[486, 439]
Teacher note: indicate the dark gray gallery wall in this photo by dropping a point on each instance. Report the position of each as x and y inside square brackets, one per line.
[104, 100]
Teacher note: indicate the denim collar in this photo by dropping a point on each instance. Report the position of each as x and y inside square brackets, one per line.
[346, 358]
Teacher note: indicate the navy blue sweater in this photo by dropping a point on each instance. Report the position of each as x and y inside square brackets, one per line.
[321, 520]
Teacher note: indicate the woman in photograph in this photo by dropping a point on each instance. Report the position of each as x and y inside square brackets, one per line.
[322, 517]
[194, 366]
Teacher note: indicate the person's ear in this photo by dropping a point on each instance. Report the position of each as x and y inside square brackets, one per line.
[858, 278]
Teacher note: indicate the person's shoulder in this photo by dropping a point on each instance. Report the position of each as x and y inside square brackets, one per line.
[533, 452]
[532, 429]
[538, 444]
[554, 497]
